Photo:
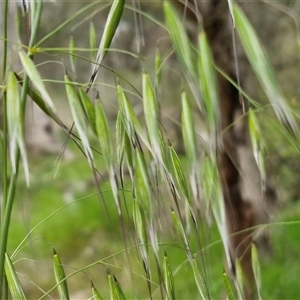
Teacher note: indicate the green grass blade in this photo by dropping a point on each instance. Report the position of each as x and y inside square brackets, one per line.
[158, 67]
[179, 38]
[39, 101]
[78, 116]
[92, 40]
[151, 116]
[89, 108]
[213, 196]
[142, 183]
[228, 287]
[256, 269]
[111, 25]
[179, 174]
[208, 84]
[120, 139]
[96, 294]
[130, 120]
[200, 281]
[60, 277]
[104, 138]
[256, 138]
[263, 69]
[72, 55]
[240, 280]
[169, 279]
[103, 133]
[115, 288]
[188, 132]
[140, 229]
[15, 124]
[14, 285]
[35, 78]
[181, 233]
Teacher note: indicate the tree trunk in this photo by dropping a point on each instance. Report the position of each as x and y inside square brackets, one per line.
[244, 200]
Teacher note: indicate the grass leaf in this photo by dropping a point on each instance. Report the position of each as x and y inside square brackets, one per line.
[110, 28]
[15, 124]
[140, 229]
[78, 116]
[179, 174]
[115, 288]
[96, 295]
[228, 287]
[103, 133]
[256, 269]
[200, 281]
[263, 69]
[169, 279]
[60, 277]
[92, 39]
[256, 138]
[151, 115]
[89, 108]
[14, 285]
[72, 47]
[35, 78]
[208, 84]
[188, 132]
[179, 38]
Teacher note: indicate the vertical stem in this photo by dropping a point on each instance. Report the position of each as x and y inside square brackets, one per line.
[3, 284]
[9, 195]
[4, 143]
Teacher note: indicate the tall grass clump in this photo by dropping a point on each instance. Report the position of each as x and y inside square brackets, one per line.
[160, 212]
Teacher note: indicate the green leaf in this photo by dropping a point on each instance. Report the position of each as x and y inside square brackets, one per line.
[39, 101]
[89, 108]
[151, 116]
[140, 229]
[36, 79]
[179, 39]
[103, 133]
[13, 282]
[181, 233]
[256, 269]
[115, 288]
[200, 281]
[257, 143]
[60, 277]
[15, 124]
[213, 196]
[78, 116]
[72, 55]
[130, 120]
[263, 69]
[111, 25]
[228, 287]
[142, 184]
[188, 132]
[96, 295]
[179, 174]
[208, 84]
[169, 279]
[240, 280]
[158, 67]
[92, 39]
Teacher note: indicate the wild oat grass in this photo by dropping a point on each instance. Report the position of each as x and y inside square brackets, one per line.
[163, 205]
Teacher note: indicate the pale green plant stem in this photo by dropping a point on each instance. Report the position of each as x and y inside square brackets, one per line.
[4, 143]
[3, 284]
[9, 200]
